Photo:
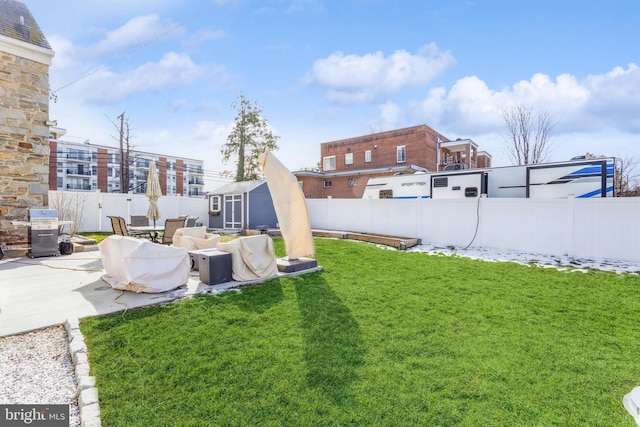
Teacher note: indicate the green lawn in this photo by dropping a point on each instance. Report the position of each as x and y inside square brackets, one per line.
[379, 338]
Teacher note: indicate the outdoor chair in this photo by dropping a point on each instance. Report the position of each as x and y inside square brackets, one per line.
[170, 227]
[120, 228]
[118, 225]
[195, 238]
[139, 221]
[191, 221]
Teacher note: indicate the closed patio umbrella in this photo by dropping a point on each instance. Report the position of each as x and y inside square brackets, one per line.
[290, 207]
[153, 193]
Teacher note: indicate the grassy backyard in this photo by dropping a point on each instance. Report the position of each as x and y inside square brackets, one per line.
[379, 338]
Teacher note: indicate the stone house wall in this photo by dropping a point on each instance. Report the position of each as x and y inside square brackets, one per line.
[24, 143]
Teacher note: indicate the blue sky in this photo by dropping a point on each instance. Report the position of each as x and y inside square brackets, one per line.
[328, 70]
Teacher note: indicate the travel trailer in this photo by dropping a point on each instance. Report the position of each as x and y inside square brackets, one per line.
[575, 178]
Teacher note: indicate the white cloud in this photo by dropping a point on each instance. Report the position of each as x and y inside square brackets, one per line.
[354, 78]
[172, 70]
[135, 32]
[65, 53]
[390, 116]
[606, 100]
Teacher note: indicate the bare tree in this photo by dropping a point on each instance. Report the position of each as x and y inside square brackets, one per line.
[628, 177]
[528, 134]
[124, 136]
[70, 206]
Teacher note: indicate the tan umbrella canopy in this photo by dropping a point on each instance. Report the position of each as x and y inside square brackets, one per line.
[290, 207]
[153, 193]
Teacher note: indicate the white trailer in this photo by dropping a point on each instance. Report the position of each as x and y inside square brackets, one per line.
[576, 178]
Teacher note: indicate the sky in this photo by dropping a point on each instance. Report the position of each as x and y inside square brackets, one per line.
[325, 70]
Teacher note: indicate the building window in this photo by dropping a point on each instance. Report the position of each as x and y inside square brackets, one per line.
[327, 183]
[352, 182]
[367, 156]
[59, 182]
[401, 154]
[214, 203]
[348, 159]
[329, 163]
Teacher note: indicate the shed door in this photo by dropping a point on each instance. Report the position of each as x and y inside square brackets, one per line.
[233, 211]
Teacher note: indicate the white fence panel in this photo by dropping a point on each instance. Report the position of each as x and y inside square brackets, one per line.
[597, 228]
[588, 228]
[607, 228]
[98, 206]
[528, 225]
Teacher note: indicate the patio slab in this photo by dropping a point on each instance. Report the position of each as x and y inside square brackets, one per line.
[41, 292]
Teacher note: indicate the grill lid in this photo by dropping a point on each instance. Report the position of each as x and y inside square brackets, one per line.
[43, 214]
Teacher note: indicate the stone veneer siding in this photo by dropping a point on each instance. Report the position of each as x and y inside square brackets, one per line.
[24, 143]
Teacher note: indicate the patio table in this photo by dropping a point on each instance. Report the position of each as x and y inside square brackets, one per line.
[153, 230]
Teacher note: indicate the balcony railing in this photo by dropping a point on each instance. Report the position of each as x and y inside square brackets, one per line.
[195, 181]
[195, 193]
[76, 171]
[79, 187]
[79, 157]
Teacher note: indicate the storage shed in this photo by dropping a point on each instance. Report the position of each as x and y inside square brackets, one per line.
[242, 205]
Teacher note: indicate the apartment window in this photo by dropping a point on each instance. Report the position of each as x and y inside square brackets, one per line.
[214, 203]
[329, 163]
[401, 154]
[327, 183]
[59, 183]
[352, 182]
[367, 156]
[348, 159]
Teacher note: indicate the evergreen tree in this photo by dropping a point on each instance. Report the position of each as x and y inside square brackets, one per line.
[249, 138]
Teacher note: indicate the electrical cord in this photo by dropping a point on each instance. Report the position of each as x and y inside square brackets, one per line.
[475, 233]
[60, 268]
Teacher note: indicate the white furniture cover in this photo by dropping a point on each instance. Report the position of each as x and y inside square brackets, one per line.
[139, 265]
[194, 238]
[252, 257]
[290, 206]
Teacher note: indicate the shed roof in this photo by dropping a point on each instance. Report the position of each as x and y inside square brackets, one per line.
[238, 187]
[17, 22]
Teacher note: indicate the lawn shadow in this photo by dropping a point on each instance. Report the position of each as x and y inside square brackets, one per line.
[334, 348]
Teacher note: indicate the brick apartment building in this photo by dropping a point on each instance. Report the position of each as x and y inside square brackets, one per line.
[348, 164]
[77, 166]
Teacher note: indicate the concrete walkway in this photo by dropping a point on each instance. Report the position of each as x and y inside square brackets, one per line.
[40, 292]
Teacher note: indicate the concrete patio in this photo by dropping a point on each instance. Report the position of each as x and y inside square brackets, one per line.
[40, 292]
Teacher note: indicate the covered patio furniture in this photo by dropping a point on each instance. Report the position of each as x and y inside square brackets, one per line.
[141, 266]
[194, 238]
[170, 227]
[252, 257]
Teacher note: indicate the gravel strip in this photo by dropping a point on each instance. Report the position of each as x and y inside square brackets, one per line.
[36, 368]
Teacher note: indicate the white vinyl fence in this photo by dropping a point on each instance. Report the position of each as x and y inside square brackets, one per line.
[97, 206]
[586, 228]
